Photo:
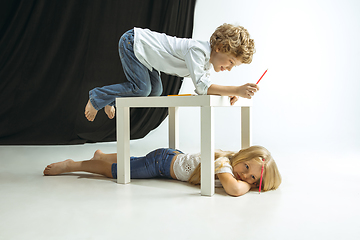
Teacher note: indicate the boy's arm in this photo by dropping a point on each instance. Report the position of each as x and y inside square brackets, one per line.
[246, 91]
[232, 186]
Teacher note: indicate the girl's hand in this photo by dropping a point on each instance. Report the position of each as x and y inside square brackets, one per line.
[233, 99]
[247, 90]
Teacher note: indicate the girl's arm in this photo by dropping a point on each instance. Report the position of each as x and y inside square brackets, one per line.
[232, 186]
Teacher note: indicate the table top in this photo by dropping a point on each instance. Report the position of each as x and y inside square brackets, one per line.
[181, 101]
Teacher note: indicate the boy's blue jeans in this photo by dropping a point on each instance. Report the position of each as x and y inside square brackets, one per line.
[141, 81]
[155, 164]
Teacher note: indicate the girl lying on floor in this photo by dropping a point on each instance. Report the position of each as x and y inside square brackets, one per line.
[236, 172]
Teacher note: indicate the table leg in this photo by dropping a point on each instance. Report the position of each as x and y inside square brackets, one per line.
[123, 144]
[207, 152]
[173, 127]
[245, 127]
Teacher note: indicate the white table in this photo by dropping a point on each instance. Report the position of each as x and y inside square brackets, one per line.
[206, 103]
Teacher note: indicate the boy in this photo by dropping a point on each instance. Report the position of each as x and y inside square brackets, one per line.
[144, 54]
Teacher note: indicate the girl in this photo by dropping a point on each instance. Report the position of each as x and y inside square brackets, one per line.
[236, 172]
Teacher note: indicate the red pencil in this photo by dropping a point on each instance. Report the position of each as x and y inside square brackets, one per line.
[261, 76]
[262, 171]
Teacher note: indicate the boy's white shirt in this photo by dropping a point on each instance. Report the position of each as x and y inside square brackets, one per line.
[181, 57]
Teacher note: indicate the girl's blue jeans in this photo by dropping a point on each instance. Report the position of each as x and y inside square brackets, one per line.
[141, 81]
[155, 164]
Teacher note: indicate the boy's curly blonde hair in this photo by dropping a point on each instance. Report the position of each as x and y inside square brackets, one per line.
[233, 39]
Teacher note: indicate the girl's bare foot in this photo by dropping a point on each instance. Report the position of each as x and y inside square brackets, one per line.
[97, 155]
[110, 111]
[90, 111]
[58, 168]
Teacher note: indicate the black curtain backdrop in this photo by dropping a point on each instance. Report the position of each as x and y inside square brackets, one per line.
[53, 52]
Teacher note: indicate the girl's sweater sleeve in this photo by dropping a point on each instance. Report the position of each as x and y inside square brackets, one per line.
[222, 165]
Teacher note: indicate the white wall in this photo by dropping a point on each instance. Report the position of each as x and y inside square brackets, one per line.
[309, 98]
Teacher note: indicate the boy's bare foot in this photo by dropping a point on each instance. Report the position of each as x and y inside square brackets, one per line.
[97, 155]
[90, 111]
[58, 168]
[110, 111]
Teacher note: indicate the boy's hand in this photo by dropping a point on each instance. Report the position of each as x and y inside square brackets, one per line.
[248, 90]
[233, 99]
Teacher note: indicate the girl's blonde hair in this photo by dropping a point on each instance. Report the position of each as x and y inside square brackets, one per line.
[235, 40]
[271, 175]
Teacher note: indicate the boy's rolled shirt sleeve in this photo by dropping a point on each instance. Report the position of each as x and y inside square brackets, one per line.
[199, 67]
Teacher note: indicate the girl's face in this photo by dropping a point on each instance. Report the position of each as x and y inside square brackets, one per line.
[248, 171]
[223, 61]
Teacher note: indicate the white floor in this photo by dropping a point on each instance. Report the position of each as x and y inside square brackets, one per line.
[319, 199]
